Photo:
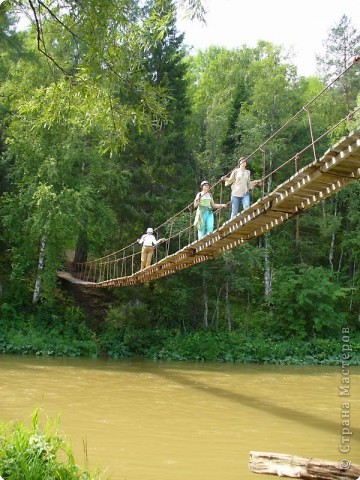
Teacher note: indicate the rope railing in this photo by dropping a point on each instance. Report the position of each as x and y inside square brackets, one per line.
[179, 231]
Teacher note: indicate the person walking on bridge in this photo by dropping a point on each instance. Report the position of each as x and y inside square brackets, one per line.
[204, 217]
[241, 185]
[148, 241]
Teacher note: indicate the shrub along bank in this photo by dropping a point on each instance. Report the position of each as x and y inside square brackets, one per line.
[229, 347]
[68, 335]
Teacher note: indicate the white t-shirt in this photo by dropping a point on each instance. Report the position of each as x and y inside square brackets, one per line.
[148, 240]
[240, 182]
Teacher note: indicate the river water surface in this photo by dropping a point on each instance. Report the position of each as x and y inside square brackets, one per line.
[141, 420]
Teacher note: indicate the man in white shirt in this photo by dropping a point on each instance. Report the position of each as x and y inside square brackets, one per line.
[148, 242]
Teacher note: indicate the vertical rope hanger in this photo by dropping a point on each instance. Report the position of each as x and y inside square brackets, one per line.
[190, 223]
[132, 258]
[218, 213]
[123, 265]
[311, 131]
[263, 160]
[169, 238]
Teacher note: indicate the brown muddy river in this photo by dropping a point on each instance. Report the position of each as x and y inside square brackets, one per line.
[141, 420]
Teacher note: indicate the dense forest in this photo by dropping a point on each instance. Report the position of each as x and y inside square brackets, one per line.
[108, 126]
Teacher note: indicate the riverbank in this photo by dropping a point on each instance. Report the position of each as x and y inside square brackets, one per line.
[77, 340]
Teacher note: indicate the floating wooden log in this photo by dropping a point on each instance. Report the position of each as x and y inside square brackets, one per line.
[309, 468]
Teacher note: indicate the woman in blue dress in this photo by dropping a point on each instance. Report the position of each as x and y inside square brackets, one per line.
[204, 203]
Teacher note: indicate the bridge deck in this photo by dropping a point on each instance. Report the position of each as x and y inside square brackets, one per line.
[339, 166]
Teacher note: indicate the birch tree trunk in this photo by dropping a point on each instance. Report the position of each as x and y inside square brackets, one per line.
[267, 262]
[227, 306]
[267, 269]
[205, 299]
[353, 286]
[267, 266]
[39, 270]
[332, 242]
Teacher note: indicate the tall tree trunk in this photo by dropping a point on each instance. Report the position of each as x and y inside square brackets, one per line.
[39, 270]
[353, 270]
[267, 269]
[81, 249]
[297, 238]
[227, 306]
[205, 299]
[297, 230]
[267, 262]
[215, 317]
[332, 242]
[340, 261]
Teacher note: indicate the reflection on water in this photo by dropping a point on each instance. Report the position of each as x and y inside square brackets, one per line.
[142, 420]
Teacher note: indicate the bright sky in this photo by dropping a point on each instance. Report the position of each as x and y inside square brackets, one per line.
[299, 25]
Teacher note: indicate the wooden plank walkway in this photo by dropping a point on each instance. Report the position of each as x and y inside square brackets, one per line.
[322, 178]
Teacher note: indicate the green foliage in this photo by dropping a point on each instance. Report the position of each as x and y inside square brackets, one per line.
[306, 301]
[111, 133]
[235, 347]
[120, 338]
[40, 331]
[111, 343]
[127, 331]
[33, 453]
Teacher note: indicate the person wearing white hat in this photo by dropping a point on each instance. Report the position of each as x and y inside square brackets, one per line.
[148, 241]
[204, 203]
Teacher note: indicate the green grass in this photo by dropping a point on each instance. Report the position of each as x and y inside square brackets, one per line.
[28, 453]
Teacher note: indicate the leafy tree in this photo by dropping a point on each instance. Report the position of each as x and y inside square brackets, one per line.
[76, 116]
[341, 48]
[159, 158]
[306, 302]
[218, 88]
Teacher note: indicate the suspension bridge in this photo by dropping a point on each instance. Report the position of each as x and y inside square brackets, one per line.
[300, 182]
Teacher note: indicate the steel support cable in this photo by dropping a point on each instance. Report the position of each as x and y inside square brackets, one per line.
[355, 60]
[297, 155]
